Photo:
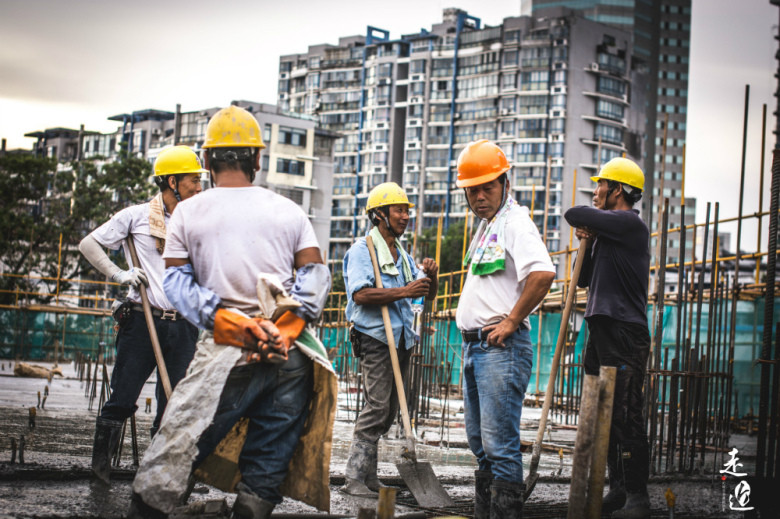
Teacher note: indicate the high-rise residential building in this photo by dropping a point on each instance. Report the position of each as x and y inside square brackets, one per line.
[661, 35]
[554, 92]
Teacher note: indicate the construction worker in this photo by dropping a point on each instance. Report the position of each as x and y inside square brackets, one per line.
[388, 211]
[616, 268]
[509, 273]
[218, 247]
[177, 173]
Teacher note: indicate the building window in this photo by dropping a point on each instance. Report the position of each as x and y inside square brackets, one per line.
[293, 194]
[291, 167]
[418, 66]
[609, 110]
[267, 133]
[292, 136]
[314, 62]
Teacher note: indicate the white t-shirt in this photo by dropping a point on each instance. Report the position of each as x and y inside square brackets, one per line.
[230, 235]
[135, 220]
[489, 299]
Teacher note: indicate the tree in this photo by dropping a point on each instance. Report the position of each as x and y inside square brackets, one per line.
[43, 201]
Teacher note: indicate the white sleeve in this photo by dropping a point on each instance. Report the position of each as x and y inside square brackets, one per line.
[175, 241]
[527, 249]
[306, 236]
[112, 233]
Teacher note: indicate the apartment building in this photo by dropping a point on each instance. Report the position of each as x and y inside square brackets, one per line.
[661, 32]
[559, 93]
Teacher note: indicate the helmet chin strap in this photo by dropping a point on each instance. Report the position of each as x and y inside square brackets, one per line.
[176, 188]
[387, 222]
[504, 195]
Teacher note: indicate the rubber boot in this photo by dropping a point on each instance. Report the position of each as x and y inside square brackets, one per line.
[506, 500]
[637, 507]
[372, 480]
[249, 505]
[360, 465]
[107, 434]
[482, 481]
[140, 510]
[616, 497]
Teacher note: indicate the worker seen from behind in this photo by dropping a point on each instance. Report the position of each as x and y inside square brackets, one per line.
[222, 249]
[388, 211]
[177, 173]
[616, 268]
[509, 273]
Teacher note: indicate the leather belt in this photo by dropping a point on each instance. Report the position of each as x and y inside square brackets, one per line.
[165, 315]
[479, 334]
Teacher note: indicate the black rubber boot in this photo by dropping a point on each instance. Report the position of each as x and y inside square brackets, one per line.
[506, 500]
[361, 469]
[249, 505]
[637, 507]
[140, 510]
[107, 434]
[616, 497]
[482, 481]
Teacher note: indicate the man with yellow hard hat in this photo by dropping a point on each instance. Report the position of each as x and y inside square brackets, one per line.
[617, 268]
[509, 273]
[388, 211]
[177, 173]
[231, 258]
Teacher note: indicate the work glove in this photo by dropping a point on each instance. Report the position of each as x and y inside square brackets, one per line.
[290, 327]
[259, 336]
[134, 277]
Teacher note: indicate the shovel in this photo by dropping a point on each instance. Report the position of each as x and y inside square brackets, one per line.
[417, 475]
[533, 475]
[161, 370]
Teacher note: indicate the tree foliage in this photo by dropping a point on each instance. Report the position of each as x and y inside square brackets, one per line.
[43, 200]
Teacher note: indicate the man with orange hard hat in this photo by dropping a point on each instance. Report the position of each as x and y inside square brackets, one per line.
[509, 273]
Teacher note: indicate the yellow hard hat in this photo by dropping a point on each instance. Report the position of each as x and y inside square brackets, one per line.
[233, 127]
[388, 193]
[177, 160]
[480, 162]
[624, 171]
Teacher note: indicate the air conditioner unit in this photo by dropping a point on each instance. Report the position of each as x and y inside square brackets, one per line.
[156, 131]
[412, 168]
[559, 65]
[379, 169]
[412, 145]
[505, 111]
[416, 100]
[417, 77]
[283, 96]
[561, 41]
[556, 113]
[380, 147]
[381, 125]
[415, 122]
[594, 67]
[383, 82]
[284, 75]
[558, 161]
[561, 89]
[383, 102]
[557, 137]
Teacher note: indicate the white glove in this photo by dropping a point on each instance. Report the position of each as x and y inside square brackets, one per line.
[134, 277]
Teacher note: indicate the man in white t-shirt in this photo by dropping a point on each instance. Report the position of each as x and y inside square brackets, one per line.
[216, 248]
[177, 173]
[509, 273]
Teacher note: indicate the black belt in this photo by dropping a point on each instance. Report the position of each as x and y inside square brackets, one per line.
[480, 334]
[165, 315]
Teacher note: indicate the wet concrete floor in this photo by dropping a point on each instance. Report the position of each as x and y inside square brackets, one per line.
[55, 481]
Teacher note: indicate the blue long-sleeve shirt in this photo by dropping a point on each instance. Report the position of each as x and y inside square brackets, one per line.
[618, 266]
[358, 274]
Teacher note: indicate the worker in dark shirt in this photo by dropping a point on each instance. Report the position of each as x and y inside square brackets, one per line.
[616, 268]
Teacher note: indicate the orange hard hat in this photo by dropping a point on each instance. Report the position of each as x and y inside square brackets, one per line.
[480, 162]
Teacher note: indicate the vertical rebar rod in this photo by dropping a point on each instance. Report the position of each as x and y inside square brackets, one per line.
[769, 307]
[735, 292]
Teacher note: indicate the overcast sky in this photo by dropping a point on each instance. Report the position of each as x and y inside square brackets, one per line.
[66, 63]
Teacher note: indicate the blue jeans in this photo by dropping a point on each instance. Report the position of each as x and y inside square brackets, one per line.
[494, 382]
[275, 398]
[135, 361]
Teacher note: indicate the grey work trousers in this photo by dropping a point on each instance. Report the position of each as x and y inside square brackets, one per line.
[379, 392]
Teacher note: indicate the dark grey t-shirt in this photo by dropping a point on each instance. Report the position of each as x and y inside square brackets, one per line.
[618, 267]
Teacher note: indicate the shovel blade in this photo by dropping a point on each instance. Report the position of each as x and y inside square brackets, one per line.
[423, 484]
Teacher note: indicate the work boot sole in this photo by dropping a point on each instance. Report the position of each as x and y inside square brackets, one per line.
[357, 488]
